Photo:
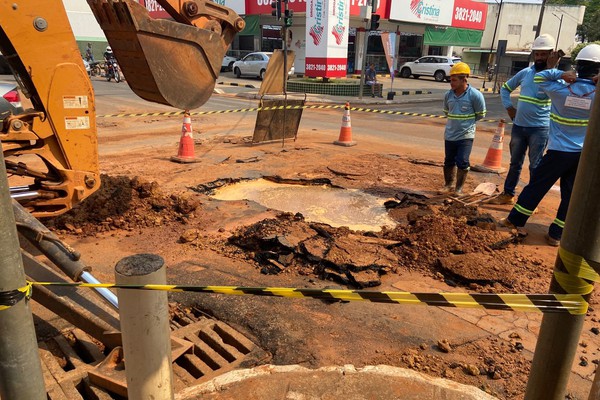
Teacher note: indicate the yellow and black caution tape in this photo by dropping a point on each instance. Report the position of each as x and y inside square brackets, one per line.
[12, 297]
[580, 272]
[252, 109]
[544, 303]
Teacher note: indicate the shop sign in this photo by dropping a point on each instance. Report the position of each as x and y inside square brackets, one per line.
[469, 14]
[382, 6]
[255, 7]
[327, 38]
[434, 12]
[156, 11]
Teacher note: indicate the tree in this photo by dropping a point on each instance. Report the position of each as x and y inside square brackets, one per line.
[578, 48]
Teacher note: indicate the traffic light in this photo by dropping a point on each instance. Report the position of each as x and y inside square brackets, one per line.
[375, 21]
[287, 20]
[276, 4]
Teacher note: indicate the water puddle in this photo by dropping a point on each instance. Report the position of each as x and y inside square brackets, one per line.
[336, 207]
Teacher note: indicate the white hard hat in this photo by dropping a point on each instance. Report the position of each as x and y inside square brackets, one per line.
[591, 52]
[108, 48]
[544, 42]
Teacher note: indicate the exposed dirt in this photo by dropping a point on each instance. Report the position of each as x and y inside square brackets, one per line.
[441, 246]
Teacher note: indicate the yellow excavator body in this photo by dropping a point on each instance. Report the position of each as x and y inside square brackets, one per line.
[172, 62]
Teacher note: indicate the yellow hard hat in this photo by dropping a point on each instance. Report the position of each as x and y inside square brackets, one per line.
[460, 68]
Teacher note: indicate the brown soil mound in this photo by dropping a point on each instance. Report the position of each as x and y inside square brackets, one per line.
[128, 204]
[451, 242]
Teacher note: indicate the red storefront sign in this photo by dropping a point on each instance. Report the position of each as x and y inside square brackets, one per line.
[382, 8]
[254, 7]
[469, 14]
[154, 9]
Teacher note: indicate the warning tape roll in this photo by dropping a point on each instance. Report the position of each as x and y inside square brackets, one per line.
[317, 107]
[545, 303]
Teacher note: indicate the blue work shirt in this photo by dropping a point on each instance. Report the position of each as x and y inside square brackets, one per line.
[570, 111]
[533, 106]
[462, 112]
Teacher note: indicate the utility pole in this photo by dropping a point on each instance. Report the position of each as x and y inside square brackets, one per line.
[372, 7]
[20, 369]
[494, 39]
[576, 264]
[538, 28]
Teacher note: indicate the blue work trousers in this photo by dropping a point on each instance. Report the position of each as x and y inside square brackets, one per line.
[555, 165]
[457, 153]
[522, 138]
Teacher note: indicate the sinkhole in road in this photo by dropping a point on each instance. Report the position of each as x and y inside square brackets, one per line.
[337, 207]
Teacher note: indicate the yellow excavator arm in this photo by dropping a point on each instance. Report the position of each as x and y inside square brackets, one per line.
[173, 62]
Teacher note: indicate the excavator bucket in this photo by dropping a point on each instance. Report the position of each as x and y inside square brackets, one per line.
[174, 63]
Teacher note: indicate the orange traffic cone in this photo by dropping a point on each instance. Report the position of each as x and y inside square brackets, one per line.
[493, 159]
[186, 143]
[345, 138]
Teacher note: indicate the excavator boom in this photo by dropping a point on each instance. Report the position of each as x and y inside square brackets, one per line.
[172, 62]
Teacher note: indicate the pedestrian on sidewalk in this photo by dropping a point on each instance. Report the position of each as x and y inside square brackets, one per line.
[463, 106]
[572, 94]
[371, 80]
[531, 118]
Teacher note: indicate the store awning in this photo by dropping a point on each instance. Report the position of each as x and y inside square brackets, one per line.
[448, 36]
[252, 25]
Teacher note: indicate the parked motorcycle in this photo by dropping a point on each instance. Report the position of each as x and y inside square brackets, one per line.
[112, 71]
[490, 72]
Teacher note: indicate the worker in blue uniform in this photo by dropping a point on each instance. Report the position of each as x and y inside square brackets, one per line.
[572, 94]
[531, 118]
[463, 106]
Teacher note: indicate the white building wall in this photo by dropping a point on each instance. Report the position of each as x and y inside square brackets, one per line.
[517, 22]
[84, 24]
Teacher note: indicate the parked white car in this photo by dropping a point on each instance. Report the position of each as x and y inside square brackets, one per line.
[254, 64]
[436, 66]
[227, 64]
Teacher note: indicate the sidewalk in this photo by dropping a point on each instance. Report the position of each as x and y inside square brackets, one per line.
[407, 90]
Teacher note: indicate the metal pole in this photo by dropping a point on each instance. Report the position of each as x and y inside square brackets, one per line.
[559, 333]
[559, 28]
[365, 49]
[285, 75]
[493, 39]
[20, 369]
[145, 328]
[538, 27]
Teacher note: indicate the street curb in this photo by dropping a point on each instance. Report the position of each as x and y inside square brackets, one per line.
[426, 385]
[237, 84]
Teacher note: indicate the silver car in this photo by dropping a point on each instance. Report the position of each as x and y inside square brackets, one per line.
[10, 100]
[436, 66]
[254, 64]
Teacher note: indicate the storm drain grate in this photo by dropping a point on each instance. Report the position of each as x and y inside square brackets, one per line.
[207, 348]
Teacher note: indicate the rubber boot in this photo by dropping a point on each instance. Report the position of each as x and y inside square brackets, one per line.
[449, 177]
[461, 177]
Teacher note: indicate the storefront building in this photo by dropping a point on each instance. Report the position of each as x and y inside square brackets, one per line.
[422, 27]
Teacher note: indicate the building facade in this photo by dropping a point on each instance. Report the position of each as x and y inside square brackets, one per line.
[464, 28]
